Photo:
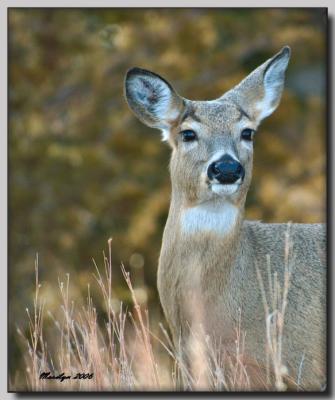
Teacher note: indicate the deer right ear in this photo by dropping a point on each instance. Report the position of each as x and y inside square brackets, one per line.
[152, 99]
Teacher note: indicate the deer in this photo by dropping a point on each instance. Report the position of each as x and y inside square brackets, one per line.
[214, 265]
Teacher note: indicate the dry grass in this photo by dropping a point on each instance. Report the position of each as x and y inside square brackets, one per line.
[124, 354]
[274, 308]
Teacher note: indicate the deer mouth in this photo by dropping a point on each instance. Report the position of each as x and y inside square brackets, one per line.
[222, 189]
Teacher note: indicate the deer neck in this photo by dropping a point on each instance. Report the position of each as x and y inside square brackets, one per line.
[213, 225]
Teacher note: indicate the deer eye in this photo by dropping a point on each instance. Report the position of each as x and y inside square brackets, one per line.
[247, 134]
[188, 135]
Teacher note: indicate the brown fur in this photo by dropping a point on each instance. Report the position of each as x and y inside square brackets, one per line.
[207, 276]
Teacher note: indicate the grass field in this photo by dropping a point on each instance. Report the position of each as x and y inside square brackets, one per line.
[123, 350]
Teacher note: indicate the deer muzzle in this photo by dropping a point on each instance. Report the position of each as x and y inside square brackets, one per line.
[226, 170]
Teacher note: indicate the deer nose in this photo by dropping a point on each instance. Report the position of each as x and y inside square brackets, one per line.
[226, 170]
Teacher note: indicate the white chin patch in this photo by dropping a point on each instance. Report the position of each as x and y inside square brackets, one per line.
[222, 190]
[210, 217]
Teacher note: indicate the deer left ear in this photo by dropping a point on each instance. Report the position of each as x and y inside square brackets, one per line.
[260, 92]
[273, 83]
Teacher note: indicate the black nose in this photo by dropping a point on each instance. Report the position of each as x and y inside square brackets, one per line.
[226, 170]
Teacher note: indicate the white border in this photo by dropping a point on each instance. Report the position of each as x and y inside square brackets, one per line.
[4, 4]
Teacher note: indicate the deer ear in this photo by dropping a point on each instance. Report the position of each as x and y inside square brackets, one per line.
[260, 92]
[152, 99]
[273, 82]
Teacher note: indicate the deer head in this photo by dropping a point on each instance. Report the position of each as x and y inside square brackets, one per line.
[212, 141]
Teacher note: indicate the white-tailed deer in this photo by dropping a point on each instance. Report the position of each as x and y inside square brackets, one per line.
[214, 265]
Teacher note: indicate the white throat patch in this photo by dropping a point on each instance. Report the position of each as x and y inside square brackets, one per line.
[211, 218]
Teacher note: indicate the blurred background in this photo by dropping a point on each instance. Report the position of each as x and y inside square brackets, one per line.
[83, 169]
